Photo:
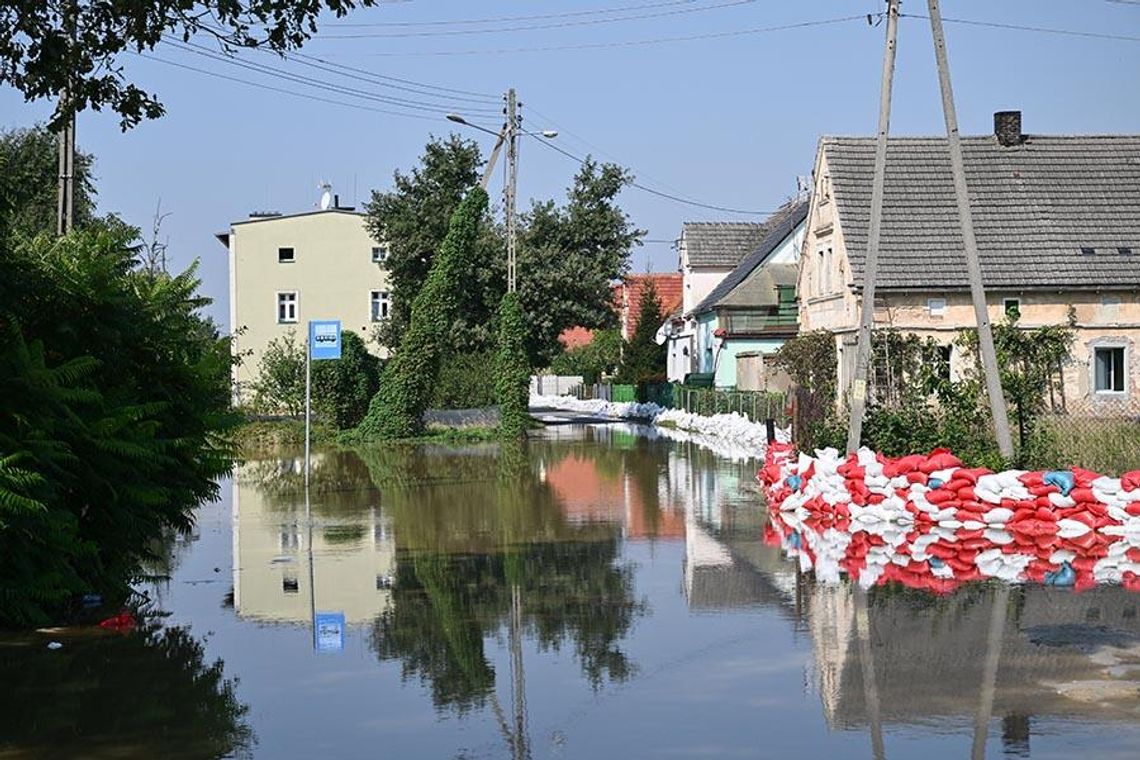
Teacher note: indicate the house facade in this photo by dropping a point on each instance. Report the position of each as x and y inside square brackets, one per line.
[1057, 220]
[288, 269]
[752, 311]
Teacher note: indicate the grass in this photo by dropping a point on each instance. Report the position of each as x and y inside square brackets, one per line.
[1104, 445]
[266, 436]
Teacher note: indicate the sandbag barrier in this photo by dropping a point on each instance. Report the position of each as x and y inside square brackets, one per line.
[926, 521]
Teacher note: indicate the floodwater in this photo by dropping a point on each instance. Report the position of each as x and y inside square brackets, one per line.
[602, 593]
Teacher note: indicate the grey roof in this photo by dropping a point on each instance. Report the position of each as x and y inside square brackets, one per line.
[721, 244]
[779, 225]
[1035, 206]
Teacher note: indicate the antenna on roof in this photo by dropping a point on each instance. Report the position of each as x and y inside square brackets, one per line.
[801, 184]
[326, 195]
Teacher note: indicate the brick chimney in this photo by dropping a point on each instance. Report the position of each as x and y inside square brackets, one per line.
[1007, 128]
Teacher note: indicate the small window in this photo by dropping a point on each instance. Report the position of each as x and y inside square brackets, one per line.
[945, 355]
[289, 585]
[286, 256]
[287, 306]
[1108, 369]
[936, 307]
[1087, 250]
[1124, 250]
[379, 254]
[1012, 307]
[381, 301]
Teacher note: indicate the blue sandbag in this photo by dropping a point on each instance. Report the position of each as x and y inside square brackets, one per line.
[1065, 576]
[1063, 479]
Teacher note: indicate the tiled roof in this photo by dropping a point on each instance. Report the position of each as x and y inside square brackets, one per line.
[721, 244]
[1035, 206]
[780, 225]
[669, 287]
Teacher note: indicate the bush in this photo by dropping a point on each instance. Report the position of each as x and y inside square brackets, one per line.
[114, 399]
[598, 357]
[343, 388]
[464, 382]
[280, 384]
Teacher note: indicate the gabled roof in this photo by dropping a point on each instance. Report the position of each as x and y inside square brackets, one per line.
[669, 287]
[780, 225]
[720, 244]
[1038, 207]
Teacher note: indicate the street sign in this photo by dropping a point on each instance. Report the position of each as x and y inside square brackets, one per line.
[324, 339]
[328, 631]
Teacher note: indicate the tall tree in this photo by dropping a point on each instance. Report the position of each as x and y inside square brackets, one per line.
[569, 256]
[644, 358]
[413, 219]
[29, 165]
[48, 46]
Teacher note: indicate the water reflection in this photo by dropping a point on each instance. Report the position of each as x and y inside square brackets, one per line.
[145, 695]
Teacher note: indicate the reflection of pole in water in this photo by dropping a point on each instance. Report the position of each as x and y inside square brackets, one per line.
[312, 573]
[867, 661]
[518, 681]
[989, 672]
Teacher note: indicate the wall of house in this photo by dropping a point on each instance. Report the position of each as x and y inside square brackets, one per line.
[679, 353]
[699, 283]
[728, 369]
[707, 344]
[332, 273]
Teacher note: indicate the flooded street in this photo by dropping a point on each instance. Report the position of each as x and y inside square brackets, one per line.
[604, 592]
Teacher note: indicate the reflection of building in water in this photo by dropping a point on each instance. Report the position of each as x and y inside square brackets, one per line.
[1055, 651]
[615, 490]
[353, 553]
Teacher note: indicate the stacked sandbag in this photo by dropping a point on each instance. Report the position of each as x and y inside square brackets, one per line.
[927, 521]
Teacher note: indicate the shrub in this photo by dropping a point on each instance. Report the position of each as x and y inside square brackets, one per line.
[464, 382]
[343, 388]
[280, 384]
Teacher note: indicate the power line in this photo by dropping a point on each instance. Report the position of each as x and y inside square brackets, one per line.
[1023, 28]
[451, 90]
[294, 93]
[501, 19]
[653, 191]
[627, 43]
[535, 27]
[318, 83]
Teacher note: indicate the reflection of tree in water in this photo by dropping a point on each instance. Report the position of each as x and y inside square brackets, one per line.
[479, 527]
[148, 694]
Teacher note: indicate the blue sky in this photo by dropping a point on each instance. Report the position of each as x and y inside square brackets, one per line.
[727, 120]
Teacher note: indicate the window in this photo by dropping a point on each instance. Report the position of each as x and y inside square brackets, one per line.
[286, 256]
[287, 306]
[1088, 250]
[936, 307]
[379, 254]
[1108, 369]
[823, 280]
[381, 305]
[945, 356]
[1012, 307]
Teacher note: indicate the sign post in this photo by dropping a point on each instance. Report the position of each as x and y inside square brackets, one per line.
[323, 343]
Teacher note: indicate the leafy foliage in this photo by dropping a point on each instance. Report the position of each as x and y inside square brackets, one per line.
[414, 218]
[29, 161]
[644, 358]
[343, 388]
[46, 48]
[113, 394]
[570, 254]
[280, 384]
[598, 357]
[512, 371]
[409, 376]
[810, 361]
[464, 383]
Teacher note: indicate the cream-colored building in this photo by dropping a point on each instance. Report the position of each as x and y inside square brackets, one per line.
[1057, 221]
[287, 269]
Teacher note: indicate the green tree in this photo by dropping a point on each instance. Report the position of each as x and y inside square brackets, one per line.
[409, 377]
[29, 164]
[49, 47]
[343, 388]
[280, 384]
[598, 357]
[413, 218]
[114, 397]
[644, 358]
[570, 255]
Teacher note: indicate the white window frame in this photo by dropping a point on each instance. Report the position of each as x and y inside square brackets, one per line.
[296, 307]
[292, 255]
[936, 307]
[1109, 345]
[380, 254]
[1005, 303]
[383, 298]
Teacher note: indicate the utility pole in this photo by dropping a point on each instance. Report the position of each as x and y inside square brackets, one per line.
[871, 267]
[970, 243]
[512, 137]
[65, 209]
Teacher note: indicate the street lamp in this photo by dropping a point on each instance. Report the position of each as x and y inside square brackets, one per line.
[549, 134]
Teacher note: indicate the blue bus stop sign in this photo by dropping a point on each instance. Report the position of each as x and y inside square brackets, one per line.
[324, 339]
[328, 631]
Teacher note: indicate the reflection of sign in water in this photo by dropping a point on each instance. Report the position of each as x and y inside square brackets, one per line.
[328, 631]
[324, 337]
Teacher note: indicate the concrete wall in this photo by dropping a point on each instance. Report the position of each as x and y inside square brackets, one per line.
[730, 373]
[554, 385]
[332, 274]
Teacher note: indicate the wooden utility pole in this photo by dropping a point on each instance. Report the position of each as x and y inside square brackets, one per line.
[871, 266]
[970, 243]
[512, 139]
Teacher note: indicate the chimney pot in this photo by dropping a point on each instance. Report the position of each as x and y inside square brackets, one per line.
[336, 201]
[1007, 127]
